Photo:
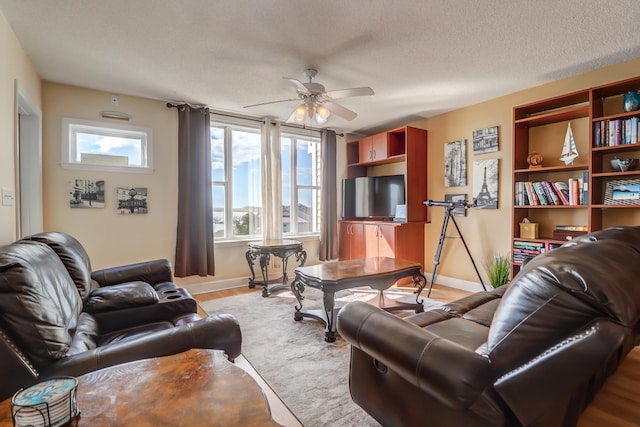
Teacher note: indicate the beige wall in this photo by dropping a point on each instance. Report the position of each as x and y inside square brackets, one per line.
[111, 238]
[14, 66]
[488, 232]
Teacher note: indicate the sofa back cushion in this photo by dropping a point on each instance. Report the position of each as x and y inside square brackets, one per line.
[39, 303]
[73, 256]
[559, 293]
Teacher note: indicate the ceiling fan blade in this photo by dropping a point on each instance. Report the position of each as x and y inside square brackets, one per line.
[345, 93]
[299, 86]
[340, 111]
[272, 102]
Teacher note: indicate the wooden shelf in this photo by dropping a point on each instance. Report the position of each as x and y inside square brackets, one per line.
[598, 104]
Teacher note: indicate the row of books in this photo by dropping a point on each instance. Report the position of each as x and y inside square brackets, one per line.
[523, 250]
[545, 193]
[609, 133]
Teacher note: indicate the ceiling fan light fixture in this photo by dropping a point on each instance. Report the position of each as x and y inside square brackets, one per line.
[299, 113]
[322, 114]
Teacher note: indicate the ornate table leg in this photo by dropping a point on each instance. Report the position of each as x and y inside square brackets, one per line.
[264, 266]
[301, 256]
[420, 281]
[251, 256]
[329, 311]
[297, 288]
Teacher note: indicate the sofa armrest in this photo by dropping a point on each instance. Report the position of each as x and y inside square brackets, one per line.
[575, 367]
[152, 272]
[447, 371]
[220, 332]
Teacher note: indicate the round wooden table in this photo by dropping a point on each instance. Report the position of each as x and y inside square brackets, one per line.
[194, 388]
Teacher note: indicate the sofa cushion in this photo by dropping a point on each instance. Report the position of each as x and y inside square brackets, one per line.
[39, 303]
[124, 295]
[86, 335]
[73, 256]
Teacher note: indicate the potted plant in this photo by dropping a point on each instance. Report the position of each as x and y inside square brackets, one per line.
[498, 269]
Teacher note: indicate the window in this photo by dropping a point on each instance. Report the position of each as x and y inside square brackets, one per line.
[300, 190]
[105, 146]
[236, 180]
[237, 185]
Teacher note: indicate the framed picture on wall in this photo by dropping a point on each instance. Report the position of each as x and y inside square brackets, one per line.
[86, 193]
[132, 200]
[485, 183]
[485, 140]
[455, 163]
[460, 197]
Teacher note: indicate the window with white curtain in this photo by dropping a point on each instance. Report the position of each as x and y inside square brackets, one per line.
[237, 185]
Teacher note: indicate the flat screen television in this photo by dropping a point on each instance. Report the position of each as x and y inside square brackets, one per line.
[372, 197]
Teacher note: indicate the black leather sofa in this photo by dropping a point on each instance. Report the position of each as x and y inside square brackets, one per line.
[532, 353]
[57, 317]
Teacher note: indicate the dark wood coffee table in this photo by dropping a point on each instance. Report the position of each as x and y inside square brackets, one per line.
[377, 273]
[195, 388]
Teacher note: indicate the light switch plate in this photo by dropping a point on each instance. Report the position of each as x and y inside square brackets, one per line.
[8, 197]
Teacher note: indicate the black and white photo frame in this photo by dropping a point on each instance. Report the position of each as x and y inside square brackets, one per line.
[455, 163]
[485, 140]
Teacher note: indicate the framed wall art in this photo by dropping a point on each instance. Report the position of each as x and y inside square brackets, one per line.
[132, 200]
[485, 140]
[86, 193]
[461, 197]
[455, 163]
[485, 183]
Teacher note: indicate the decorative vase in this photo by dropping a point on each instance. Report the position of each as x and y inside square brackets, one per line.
[631, 101]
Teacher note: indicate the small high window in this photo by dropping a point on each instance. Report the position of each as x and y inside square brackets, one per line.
[109, 147]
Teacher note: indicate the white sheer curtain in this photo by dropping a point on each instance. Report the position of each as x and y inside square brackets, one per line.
[271, 182]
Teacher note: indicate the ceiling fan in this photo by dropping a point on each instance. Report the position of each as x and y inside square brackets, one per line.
[318, 103]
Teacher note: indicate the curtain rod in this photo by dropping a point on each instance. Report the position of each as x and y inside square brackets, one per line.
[180, 105]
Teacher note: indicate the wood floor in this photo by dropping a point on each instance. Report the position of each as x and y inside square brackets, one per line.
[616, 405]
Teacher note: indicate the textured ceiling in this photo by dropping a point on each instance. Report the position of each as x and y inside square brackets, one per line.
[422, 57]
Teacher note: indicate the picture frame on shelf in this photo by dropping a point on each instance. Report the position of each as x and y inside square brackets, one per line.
[622, 192]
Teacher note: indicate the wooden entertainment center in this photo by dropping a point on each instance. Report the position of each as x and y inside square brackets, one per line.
[540, 128]
[406, 149]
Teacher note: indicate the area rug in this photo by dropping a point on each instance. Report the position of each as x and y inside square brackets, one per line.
[310, 375]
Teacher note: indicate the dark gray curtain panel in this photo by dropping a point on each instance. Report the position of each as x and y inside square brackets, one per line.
[328, 198]
[194, 243]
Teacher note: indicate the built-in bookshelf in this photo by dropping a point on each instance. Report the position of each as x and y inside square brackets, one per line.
[587, 194]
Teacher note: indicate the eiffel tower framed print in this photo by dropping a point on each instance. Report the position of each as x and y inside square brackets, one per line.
[485, 183]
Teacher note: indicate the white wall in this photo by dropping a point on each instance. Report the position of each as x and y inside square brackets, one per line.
[14, 66]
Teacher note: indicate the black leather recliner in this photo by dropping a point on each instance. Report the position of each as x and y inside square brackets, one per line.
[533, 353]
[55, 319]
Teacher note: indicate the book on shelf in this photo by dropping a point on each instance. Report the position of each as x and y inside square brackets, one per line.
[571, 227]
[610, 133]
[562, 189]
[547, 193]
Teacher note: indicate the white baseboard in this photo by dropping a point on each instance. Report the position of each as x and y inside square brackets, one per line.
[452, 282]
[216, 285]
